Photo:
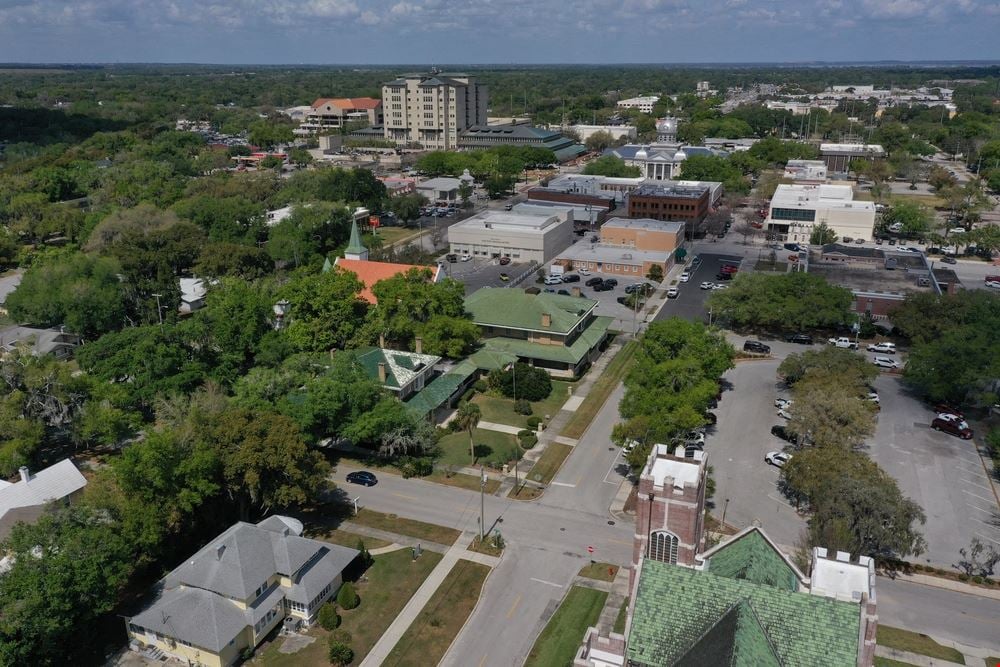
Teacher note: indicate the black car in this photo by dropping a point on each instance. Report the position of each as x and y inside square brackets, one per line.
[784, 433]
[756, 346]
[564, 292]
[362, 477]
[594, 281]
[602, 287]
[641, 288]
[794, 247]
[611, 282]
[724, 275]
[622, 300]
[571, 278]
[800, 338]
[452, 258]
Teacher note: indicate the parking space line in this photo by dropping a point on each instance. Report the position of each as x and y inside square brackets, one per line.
[972, 472]
[979, 485]
[982, 522]
[977, 507]
[987, 537]
[989, 500]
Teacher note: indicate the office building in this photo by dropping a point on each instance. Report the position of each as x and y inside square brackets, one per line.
[670, 201]
[336, 113]
[535, 237]
[838, 156]
[432, 110]
[617, 132]
[806, 171]
[627, 247]
[796, 210]
[644, 103]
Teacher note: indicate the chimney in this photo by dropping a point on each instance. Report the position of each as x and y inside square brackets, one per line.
[381, 341]
[25, 475]
[381, 372]
[546, 320]
[575, 291]
[420, 345]
[219, 550]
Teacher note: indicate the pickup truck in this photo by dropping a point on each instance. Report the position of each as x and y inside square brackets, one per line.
[844, 342]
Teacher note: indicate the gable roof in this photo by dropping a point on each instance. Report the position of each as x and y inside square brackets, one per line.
[751, 556]
[735, 640]
[53, 483]
[400, 367]
[369, 273]
[513, 308]
[675, 607]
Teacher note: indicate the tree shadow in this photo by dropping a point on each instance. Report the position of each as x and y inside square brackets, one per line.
[482, 451]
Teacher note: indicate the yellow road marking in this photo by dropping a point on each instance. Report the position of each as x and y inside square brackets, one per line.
[483, 661]
[510, 614]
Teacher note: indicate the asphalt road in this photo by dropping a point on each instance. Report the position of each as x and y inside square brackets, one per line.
[690, 304]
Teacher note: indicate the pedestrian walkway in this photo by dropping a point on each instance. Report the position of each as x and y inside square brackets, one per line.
[392, 635]
[395, 538]
[502, 428]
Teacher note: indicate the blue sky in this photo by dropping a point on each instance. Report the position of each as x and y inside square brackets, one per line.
[497, 31]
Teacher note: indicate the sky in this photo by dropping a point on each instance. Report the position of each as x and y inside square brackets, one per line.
[496, 31]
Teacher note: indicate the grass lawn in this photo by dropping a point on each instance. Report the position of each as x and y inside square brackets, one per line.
[348, 539]
[549, 462]
[491, 447]
[560, 639]
[599, 571]
[314, 654]
[500, 410]
[485, 548]
[433, 631]
[914, 642]
[524, 492]
[390, 235]
[620, 619]
[887, 662]
[462, 481]
[410, 527]
[600, 390]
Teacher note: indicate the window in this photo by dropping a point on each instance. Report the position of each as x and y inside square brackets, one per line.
[663, 546]
[806, 215]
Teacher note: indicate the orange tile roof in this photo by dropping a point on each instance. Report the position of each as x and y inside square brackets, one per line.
[370, 273]
[348, 102]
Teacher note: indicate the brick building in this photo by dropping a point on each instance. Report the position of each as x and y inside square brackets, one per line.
[683, 203]
[601, 202]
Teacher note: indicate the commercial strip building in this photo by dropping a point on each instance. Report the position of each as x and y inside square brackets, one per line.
[795, 210]
[432, 109]
[742, 602]
[644, 103]
[239, 587]
[838, 156]
[627, 247]
[491, 136]
[522, 237]
[558, 333]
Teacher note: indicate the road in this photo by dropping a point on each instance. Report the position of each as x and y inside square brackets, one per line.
[690, 304]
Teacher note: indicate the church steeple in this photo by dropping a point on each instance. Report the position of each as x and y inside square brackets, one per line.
[354, 249]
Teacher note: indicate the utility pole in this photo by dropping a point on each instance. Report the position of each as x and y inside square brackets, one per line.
[482, 503]
[159, 309]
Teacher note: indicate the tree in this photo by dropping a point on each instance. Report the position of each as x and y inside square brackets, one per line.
[609, 165]
[231, 219]
[328, 617]
[715, 168]
[849, 367]
[939, 178]
[746, 230]
[409, 301]
[267, 134]
[347, 597]
[325, 310]
[446, 336]
[655, 273]
[830, 412]
[914, 218]
[79, 292]
[300, 157]
[787, 302]
[309, 233]
[821, 235]
[236, 317]
[465, 192]
[407, 207]
[522, 381]
[467, 418]
[233, 259]
[599, 141]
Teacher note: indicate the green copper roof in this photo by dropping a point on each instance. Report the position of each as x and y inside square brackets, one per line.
[327, 266]
[354, 246]
[512, 308]
[751, 557]
[676, 606]
[400, 367]
[569, 354]
[735, 640]
[440, 389]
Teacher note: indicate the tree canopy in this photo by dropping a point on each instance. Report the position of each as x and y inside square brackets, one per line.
[786, 302]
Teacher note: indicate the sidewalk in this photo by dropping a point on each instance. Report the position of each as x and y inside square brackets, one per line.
[502, 428]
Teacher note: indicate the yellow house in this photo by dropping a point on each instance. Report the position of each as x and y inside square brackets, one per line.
[236, 590]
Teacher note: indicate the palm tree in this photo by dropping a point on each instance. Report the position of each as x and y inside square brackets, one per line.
[468, 418]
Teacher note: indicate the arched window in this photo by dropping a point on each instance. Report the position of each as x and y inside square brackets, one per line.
[663, 546]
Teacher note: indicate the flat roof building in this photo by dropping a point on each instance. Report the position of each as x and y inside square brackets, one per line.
[534, 237]
[672, 202]
[627, 247]
[643, 103]
[797, 209]
[838, 156]
[806, 171]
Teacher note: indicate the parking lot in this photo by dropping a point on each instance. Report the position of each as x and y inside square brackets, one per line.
[690, 304]
[941, 473]
[480, 272]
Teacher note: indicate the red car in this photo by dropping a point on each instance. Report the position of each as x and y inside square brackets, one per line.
[952, 425]
[504, 261]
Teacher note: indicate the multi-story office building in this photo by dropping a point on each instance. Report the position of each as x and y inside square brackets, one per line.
[796, 209]
[432, 109]
[336, 113]
[670, 201]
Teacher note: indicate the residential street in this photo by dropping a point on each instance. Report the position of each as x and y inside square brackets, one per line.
[968, 619]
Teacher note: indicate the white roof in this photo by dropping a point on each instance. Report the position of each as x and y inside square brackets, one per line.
[442, 183]
[683, 473]
[192, 289]
[838, 578]
[55, 482]
[818, 196]
[644, 223]
[524, 223]
[612, 254]
[851, 148]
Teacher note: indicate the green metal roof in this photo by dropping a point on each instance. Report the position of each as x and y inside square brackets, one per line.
[737, 639]
[512, 308]
[751, 557]
[676, 606]
[440, 389]
[354, 246]
[400, 367]
[569, 354]
[490, 359]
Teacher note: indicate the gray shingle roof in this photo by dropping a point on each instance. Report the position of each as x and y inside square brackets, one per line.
[195, 616]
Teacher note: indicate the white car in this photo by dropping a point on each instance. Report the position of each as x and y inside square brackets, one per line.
[694, 438]
[673, 292]
[584, 272]
[873, 397]
[720, 286]
[685, 277]
[707, 285]
[784, 414]
[782, 403]
[885, 348]
[553, 280]
[465, 258]
[777, 459]
[885, 362]
[993, 284]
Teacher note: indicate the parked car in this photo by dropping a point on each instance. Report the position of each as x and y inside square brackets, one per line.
[782, 403]
[508, 207]
[707, 285]
[887, 348]
[873, 397]
[993, 284]
[843, 342]
[451, 258]
[602, 287]
[784, 433]
[784, 414]
[685, 277]
[564, 292]
[720, 286]
[504, 261]
[724, 276]
[466, 258]
[611, 281]
[948, 409]
[800, 338]
[570, 278]
[673, 293]
[594, 281]
[756, 347]
[949, 260]
[504, 277]
[362, 477]
[553, 280]
[859, 241]
[777, 459]
[952, 425]
[584, 272]
[885, 362]
[794, 247]
[622, 300]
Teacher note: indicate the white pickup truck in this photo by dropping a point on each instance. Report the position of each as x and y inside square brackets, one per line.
[843, 342]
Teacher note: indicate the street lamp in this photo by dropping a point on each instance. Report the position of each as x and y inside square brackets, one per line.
[280, 310]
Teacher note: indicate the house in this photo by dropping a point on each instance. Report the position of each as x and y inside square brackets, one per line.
[192, 295]
[561, 334]
[26, 499]
[402, 373]
[56, 342]
[356, 261]
[239, 587]
[741, 602]
[443, 188]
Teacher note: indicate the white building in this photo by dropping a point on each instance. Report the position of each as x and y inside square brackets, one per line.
[524, 237]
[796, 209]
[644, 103]
[806, 171]
[25, 499]
[617, 132]
[432, 109]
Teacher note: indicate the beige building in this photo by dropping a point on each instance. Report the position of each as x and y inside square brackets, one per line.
[797, 209]
[628, 247]
[432, 109]
[530, 236]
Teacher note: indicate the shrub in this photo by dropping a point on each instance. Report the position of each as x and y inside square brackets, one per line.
[341, 635]
[328, 617]
[347, 597]
[977, 579]
[963, 577]
[415, 467]
[365, 558]
[533, 422]
[522, 406]
[480, 386]
[529, 441]
[524, 432]
[533, 384]
[340, 653]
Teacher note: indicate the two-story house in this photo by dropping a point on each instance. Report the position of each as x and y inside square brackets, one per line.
[230, 595]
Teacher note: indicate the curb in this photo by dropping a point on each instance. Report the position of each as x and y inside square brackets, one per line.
[479, 601]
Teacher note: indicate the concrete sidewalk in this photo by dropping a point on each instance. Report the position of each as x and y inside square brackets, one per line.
[502, 428]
